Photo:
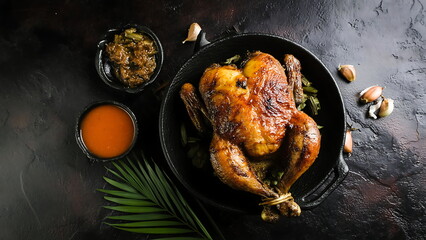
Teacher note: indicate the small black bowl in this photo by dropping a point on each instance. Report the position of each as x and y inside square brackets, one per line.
[104, 65]
[79, 138]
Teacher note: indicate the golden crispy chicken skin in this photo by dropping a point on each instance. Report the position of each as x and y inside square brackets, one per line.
[257, 128]
[232, 167]
[251, 106]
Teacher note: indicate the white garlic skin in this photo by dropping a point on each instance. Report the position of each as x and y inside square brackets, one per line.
[373, 109]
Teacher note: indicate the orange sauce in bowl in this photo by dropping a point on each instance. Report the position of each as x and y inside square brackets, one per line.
[107, 131]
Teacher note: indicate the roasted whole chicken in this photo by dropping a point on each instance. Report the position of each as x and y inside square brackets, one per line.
[261, 143]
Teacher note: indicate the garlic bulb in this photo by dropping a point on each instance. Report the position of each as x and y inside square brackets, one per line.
[193, 32]
[370, 94]
[386, 108]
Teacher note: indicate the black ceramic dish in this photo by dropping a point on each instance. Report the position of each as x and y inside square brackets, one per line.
[104, 66]
[79, 138]
[315, 184]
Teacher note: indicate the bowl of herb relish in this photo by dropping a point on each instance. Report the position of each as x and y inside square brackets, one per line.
[129, 58]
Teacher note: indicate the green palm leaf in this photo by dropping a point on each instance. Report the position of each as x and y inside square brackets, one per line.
[119, 185]
[148, 224]
[129, 202]
[179, 238]
[156, 230]
[132, 209]
[141, 217]
[152, 202]
[122, 194]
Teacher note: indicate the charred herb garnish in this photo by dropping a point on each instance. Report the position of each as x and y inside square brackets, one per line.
[196, 149]
[232, 60]
[309, 97]
[274, 178]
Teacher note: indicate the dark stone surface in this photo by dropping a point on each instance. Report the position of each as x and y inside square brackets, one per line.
[47, 75]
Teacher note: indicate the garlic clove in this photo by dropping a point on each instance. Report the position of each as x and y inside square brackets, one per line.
[193, 32]
[371, 94]
[373, 109]
[347, 148]
[386, 108]
[347, 71]
[365, 90]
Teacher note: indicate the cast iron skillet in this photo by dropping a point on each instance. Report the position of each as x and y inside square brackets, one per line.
[316, 184]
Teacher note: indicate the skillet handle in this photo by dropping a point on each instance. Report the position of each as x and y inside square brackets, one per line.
[201, 41]
[326, 186]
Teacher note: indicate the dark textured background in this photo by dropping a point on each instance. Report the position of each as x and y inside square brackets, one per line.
[47, 76]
